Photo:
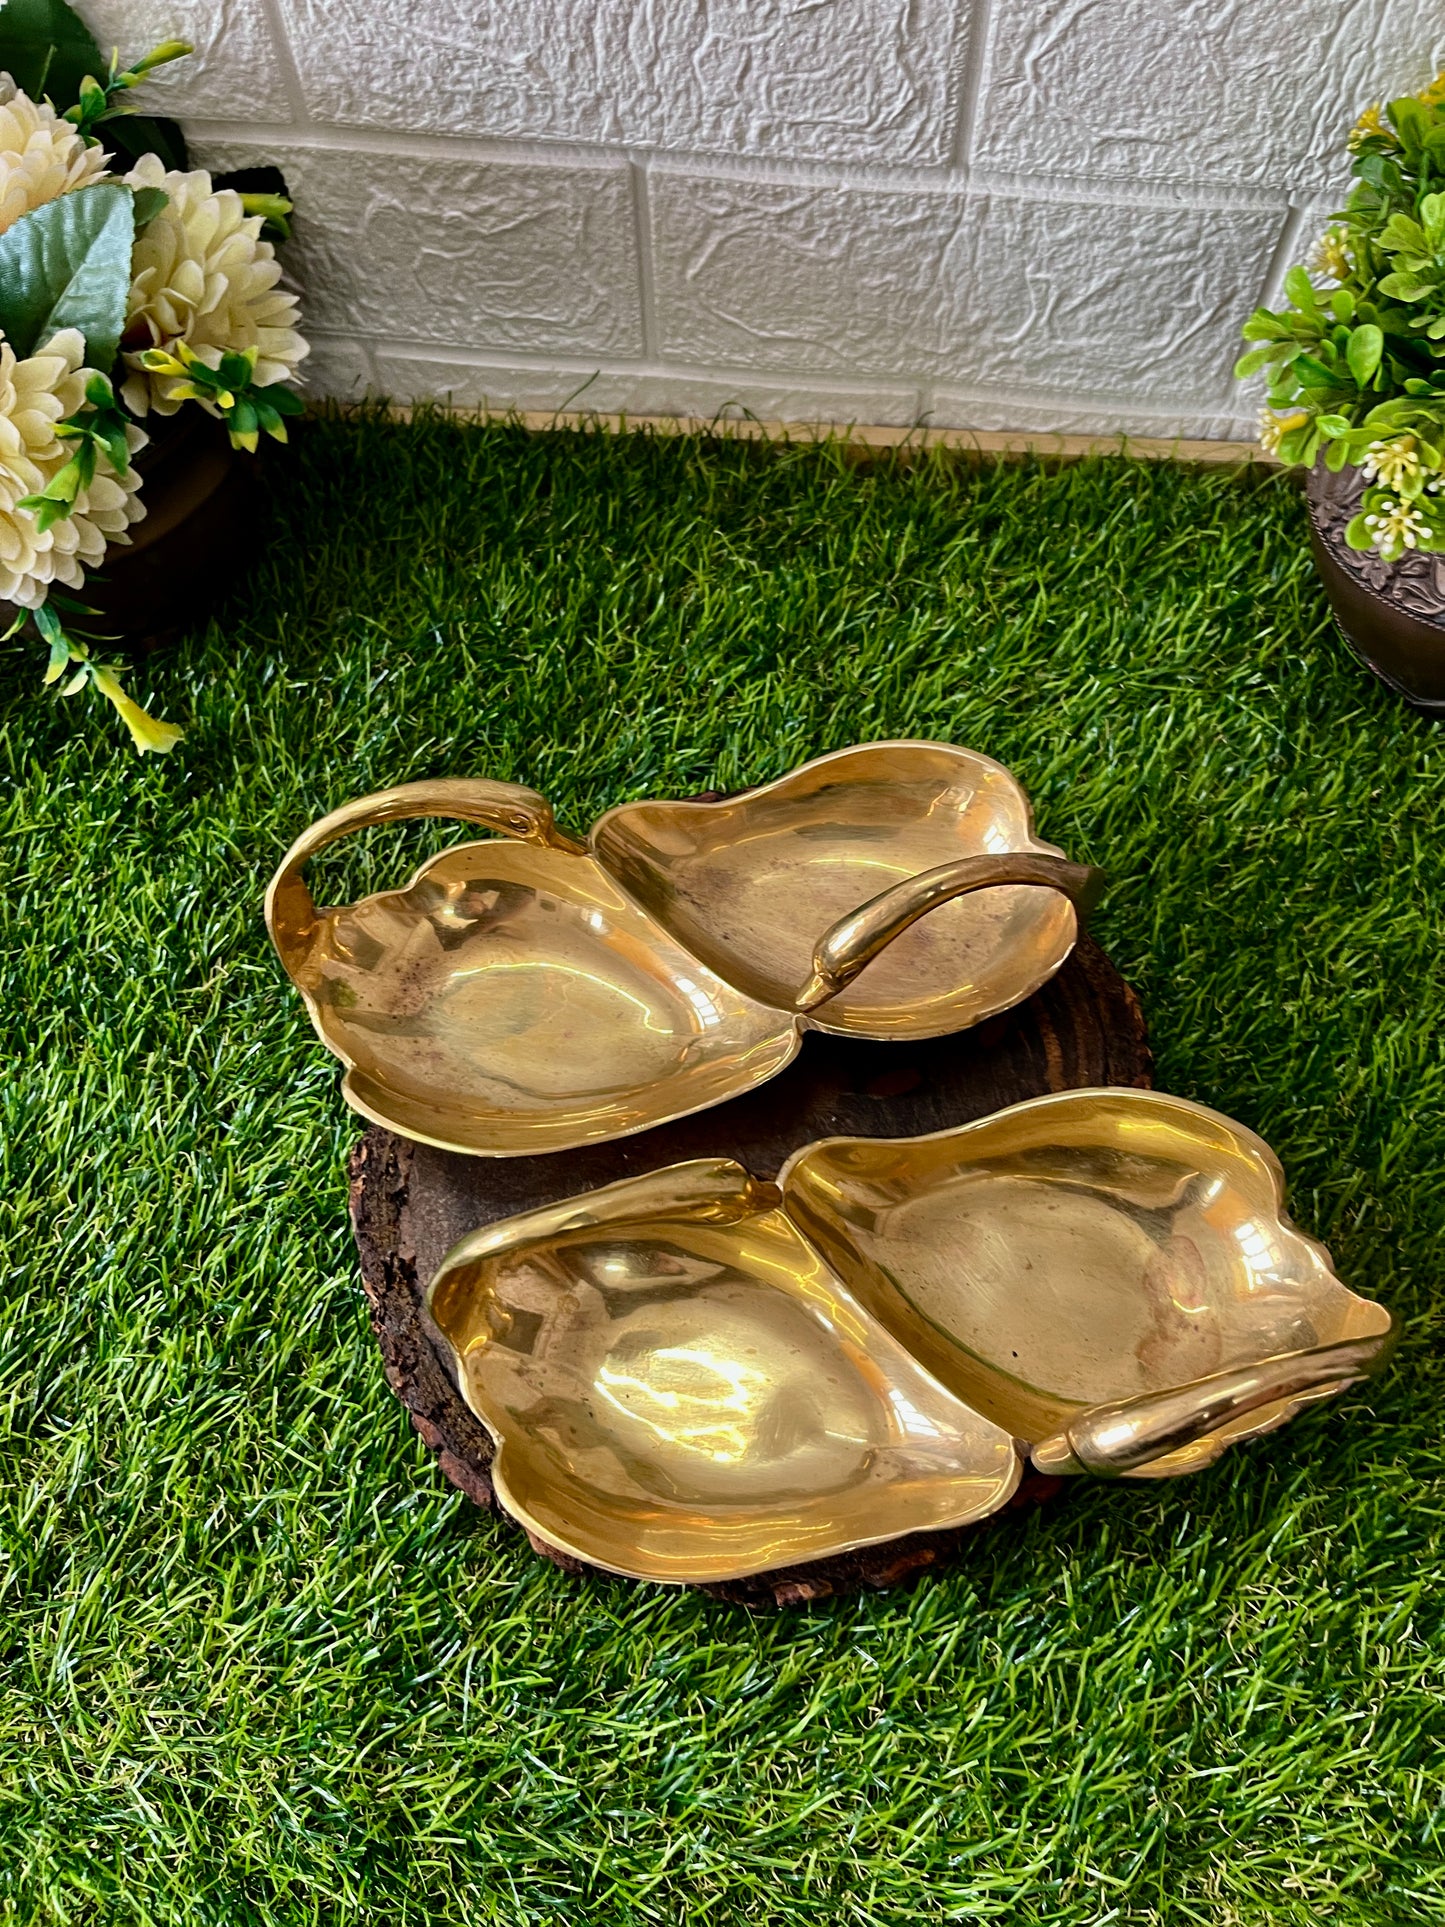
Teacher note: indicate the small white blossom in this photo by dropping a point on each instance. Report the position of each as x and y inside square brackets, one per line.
[1272, 427]
[1396, 525]
[1393, 463]
[1329, 257]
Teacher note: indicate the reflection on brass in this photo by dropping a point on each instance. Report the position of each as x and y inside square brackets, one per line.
[1107, 1274]
[528, 996]
[683, 1392]
[692, 1375]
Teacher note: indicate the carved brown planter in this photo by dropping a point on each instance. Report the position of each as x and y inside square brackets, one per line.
[1392, 614]
[202, 502]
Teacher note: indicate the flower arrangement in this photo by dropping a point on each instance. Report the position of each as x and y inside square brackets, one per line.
[130, 285]
[1357, 361]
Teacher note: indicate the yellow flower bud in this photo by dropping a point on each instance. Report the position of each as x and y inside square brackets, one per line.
[147, 732]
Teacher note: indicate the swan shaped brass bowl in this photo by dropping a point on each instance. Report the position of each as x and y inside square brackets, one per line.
[536, 995]
[692, 1376]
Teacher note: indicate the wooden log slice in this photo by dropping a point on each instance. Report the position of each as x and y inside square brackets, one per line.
[410, 1204]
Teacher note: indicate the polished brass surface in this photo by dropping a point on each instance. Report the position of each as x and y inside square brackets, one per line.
[1108, 1275]
[531, 996]
[855, 940]
[513, 1001]
[753, 883]
[694, 1375]
[682, 1390]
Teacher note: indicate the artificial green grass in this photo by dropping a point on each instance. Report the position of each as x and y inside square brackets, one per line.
[258, 1663]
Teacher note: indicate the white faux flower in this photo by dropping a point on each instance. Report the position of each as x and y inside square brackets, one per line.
[1273, 428]
[1331, 257]
[1394, 463]
[1395, 527]
[203, 275]
[34, 395]
[41, 155]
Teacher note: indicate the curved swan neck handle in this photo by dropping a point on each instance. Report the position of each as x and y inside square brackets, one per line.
[855, 940]
[701, 1191]
[1109, 1440]
[507, 808]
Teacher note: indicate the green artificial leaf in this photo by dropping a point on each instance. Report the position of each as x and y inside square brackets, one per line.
[148, 203]
[1343, 304]
[1409, 120]
[67, 265]
[284, 400]
[1253, 361]
[1300, 289]
[1356, 534]
[60, 600]
[1432, 217]
[236, 370]
[1367, 344]
[1313, 374]
[1263, 326]
[1333, 425]
[1336, 456]
[1405, 287]
[1401, 235]
[47, 50]
[48, 623]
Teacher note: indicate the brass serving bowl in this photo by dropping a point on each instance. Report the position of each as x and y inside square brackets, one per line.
[532, 996]
[681, 1389]
[694, 1376]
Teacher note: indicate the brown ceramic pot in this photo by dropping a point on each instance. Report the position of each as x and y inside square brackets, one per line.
[1392, 614]
[202, 502]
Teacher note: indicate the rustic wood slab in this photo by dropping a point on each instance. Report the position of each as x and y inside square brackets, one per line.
[410, 1203]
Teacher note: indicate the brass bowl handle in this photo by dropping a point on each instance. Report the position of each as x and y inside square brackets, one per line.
[701, 1191]
[855, 940]
[1109, 1440]
[508, 808]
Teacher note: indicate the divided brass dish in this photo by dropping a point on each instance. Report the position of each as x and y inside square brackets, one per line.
[532, 996]
[693, 1376]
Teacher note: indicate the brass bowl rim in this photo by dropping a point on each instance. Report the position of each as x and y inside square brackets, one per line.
[488, 1242]
[551, 1221]
[1132, 1094]
[796, 1023]
[790, 1025]
[818, 762]
[1033, 844]
[1047, 1100]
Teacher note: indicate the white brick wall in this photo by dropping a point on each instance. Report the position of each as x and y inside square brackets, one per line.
[1030, 214]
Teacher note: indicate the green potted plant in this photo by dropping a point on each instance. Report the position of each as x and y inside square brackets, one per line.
[142, 330]
[1356, 367]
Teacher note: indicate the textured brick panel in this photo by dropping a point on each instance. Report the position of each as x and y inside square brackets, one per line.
[234, 73]
[959, 409]
[1195, 91]
[983, 290]
[408, 377]
[846, 80]
[336, 369]
[491, 254]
